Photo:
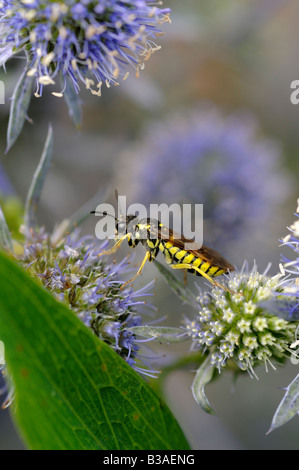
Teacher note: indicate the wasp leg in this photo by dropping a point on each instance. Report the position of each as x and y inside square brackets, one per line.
[145, 259]
[115, 247]
[202, 273]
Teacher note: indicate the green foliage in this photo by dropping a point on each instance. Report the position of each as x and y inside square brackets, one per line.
[185, 294]
[13, 212]
[5, 238]
[202, 377]
[71, 390]
[38, 181]
[163, 334]
[19, 107]
[288, 407]
[73, 104]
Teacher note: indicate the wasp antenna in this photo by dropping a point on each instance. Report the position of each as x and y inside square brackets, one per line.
[98, 213]
[103, 213]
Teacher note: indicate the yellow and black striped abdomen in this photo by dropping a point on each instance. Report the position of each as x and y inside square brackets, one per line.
[174, 255]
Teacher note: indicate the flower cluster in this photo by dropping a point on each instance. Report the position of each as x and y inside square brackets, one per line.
[219, 161]
[72, 271]
[290, 267]
[292, 241]
[236, 329]
[92, 42]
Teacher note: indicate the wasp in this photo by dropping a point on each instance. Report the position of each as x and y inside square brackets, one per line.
[156, 238]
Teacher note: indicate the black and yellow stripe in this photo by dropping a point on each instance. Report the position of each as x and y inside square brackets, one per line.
[156, 238]
[173, 254]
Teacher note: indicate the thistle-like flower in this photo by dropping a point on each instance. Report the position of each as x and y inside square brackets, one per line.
[292, 241]
[69, 267]
[235, 329]
[288, 307]
[93, 42]
[220, 161]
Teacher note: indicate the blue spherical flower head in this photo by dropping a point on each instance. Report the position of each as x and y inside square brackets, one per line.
[292, 241]
[69, 267]
[203, 156]
[92, 42]
[236, 329]
[288, 307]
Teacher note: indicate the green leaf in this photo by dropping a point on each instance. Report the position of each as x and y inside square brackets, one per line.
[185, 294]
[19, 107]
[38, 181]
[5, 238]
[288, 407]
[72, 391]
[73, 103]
[203, 376]
[163, 334]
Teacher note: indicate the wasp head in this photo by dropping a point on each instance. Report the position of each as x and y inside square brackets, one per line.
[123, 225]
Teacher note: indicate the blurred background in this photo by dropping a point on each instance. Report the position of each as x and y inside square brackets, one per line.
[209, 121]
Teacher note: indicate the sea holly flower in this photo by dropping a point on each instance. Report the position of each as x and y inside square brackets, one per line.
[234, 328]
[68, 266]
[287, 306]
[292, 241]
[88, 42]
[203, 156]
[74, 43]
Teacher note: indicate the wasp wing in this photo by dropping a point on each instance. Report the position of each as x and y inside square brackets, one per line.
[160, 231]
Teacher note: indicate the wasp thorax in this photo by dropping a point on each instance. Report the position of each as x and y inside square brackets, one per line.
[125, 225]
